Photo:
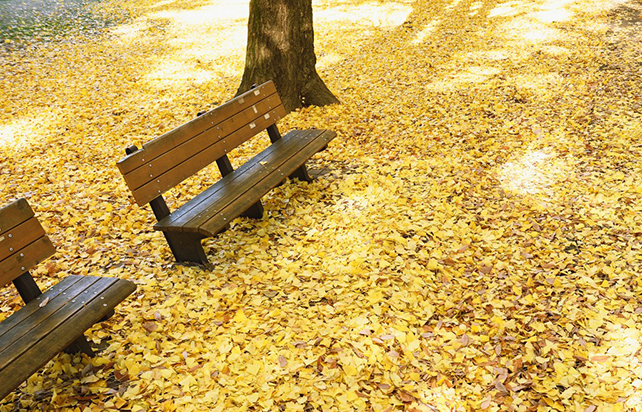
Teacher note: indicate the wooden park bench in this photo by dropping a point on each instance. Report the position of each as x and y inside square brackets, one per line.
[52, 321]
[168, 160]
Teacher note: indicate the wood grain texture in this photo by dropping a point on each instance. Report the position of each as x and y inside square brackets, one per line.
[224, 135]
[167, 160]
[13, 214]
[25, 259]
[19, 237]
[159, 184]
[233, 194]
[157, 146]
[35, 334]
[23, 242]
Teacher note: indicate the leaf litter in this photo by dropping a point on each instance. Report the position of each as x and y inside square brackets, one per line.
[472, 241]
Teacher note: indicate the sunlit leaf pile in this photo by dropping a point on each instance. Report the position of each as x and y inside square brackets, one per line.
[472, 240]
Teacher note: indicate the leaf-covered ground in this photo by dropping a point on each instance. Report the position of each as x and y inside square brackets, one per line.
[472, 242]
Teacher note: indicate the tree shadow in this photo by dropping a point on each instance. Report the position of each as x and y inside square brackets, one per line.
[627, 14]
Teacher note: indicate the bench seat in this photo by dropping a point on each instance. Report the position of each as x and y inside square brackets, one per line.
[212, 210]
[34, 334]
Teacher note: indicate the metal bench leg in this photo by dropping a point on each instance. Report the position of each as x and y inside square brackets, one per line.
[187, 247]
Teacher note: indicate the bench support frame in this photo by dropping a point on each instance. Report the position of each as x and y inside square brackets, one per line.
[185, 246]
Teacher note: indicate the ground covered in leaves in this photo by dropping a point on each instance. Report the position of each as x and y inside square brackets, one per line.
[472, 241]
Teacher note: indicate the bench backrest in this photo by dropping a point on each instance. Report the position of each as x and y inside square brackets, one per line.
[167, 160]
[23, 242]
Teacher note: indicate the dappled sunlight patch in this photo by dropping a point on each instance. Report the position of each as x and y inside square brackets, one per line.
[452, 5]
[219, 46]
[492, 55]
[554, 11]
[475, 74]
[329, 60]
[162, 3]
[532, 30]
[553, 15]
[373, 14]
[206, 16]
[537, 172]
[19, 133]
[471, 74]
[542, 84]
[619, 350]
[556, 50]
[426, 31]
[206, 43]
[508, 9]
[474, 8]
[178, 73]
[534, 25]
[132, 31]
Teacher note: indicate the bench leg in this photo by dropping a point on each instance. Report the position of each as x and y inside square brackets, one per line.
[27, 287]
[187, 247]
[80, 345]
[302, 174]
[255, 211]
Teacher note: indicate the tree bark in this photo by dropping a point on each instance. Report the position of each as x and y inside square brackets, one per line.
[280, 47]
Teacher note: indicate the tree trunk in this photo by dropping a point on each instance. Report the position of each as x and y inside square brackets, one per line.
[280, 47]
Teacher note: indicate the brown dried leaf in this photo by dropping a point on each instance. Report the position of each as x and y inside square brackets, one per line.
[150, 326]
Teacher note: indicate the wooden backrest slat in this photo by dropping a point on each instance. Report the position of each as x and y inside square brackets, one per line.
[28, 257]
[161, 144]
[182, 171]
[215, 135]
[13, 214]
[171, 158]
[20, 236]
[23, 242]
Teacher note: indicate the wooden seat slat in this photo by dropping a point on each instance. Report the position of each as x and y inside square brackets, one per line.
[158, 146]
[23, 335]
[29, 256]
[28, 310]
[229, 198]
[217, 196]
[13, 214]
[20, 236]
[268, 182]
[43, 346]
